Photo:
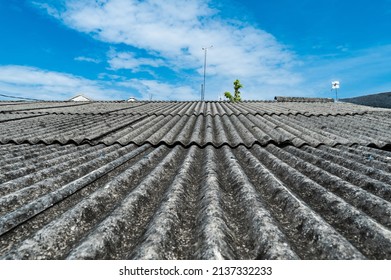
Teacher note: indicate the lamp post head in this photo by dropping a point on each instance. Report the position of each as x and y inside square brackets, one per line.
[205, 48]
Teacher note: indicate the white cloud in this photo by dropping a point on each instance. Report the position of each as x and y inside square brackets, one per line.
[155, 90]
[128, 60]
[46, 7]
[343, 48]
[36, 83]
[87, 59]
[170, 34]
[175, 32]
[32, 82]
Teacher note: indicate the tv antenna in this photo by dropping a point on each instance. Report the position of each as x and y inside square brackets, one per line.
[335, 86]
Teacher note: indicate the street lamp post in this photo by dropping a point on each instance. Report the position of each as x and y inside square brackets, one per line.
[204, 85]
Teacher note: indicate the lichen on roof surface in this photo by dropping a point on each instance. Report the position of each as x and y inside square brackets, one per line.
[194, 180]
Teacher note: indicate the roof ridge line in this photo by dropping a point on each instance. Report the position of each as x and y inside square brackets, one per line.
[286, 143]
[305, 114]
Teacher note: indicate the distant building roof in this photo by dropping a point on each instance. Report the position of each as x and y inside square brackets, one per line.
[194, 180]
[132, 99]
[80, 98]
[302, 99]
[381, 100]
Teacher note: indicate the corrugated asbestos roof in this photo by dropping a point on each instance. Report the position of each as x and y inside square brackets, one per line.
[200, 123]
[187, 108]
[223, 182]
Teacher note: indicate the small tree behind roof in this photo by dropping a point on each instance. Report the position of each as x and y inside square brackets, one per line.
[236, 97]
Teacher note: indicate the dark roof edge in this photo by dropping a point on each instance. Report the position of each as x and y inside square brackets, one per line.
[302, 99]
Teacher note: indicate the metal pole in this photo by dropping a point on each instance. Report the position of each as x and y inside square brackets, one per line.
[203, 90]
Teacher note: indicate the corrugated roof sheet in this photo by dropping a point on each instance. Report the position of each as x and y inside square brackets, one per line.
[192, 203]
[234, 130]
[218, 183]
[188, 108]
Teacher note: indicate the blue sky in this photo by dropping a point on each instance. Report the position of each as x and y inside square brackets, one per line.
[114, 49]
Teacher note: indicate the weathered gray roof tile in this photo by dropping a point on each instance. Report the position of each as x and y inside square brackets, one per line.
[194, 203]
[188, 108]
[202, 130]
[194, 180]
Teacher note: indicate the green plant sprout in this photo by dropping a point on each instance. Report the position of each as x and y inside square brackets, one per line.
[236, 97]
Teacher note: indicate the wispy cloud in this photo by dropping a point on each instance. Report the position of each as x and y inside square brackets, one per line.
[48, 8]
[33, 82]
[128, 60]
[87, 59]
[175, 32]
[156, 90]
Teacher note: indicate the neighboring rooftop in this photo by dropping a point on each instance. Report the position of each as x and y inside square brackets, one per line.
[80, 98]
[302, 99]
[382, 100]
[194, 180]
